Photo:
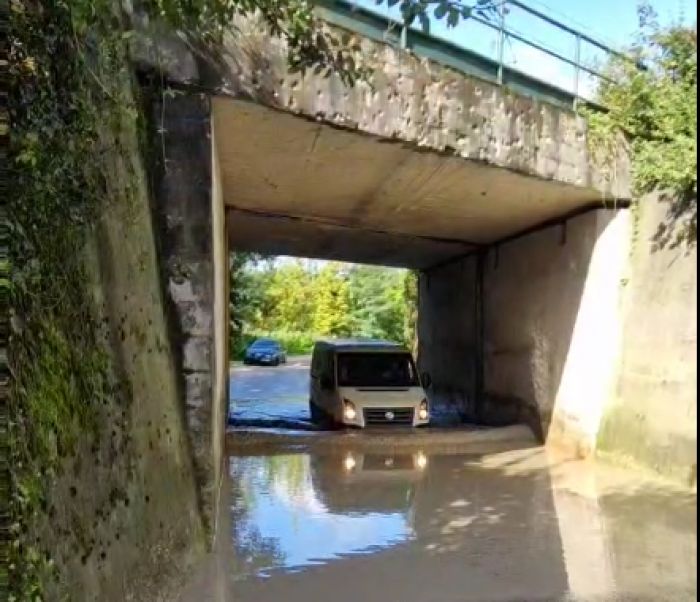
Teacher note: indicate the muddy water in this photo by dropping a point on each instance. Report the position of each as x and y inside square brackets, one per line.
[519, 525]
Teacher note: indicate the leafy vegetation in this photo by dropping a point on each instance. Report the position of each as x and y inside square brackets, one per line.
[656, 108]
[297, 302]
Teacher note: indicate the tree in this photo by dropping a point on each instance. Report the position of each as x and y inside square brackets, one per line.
[332, 302]
[410, 298]
[656, 108]
[378, 307]
[290, 298]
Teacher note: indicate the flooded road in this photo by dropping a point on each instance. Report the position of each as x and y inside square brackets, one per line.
[411, 525]
[270, 396]
[278, 397]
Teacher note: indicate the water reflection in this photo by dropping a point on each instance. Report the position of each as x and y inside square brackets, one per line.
[293, 511]
[512, 527]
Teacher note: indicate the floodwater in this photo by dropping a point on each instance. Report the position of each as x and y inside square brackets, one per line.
[278, 397]
[414, 526]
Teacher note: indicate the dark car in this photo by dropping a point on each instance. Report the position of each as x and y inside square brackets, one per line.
[266, 352]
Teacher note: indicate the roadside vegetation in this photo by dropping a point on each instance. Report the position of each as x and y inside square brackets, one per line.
[655, 108]
[298, 301]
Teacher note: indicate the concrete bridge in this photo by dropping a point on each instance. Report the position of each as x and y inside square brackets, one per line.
[537, 305]
[487, 188]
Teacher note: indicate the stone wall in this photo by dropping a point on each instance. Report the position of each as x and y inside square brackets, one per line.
[652, 417]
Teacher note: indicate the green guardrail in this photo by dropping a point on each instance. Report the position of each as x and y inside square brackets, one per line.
[367, 23]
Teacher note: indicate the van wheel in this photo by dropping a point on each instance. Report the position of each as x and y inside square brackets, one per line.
[319, 417]
[315, 413]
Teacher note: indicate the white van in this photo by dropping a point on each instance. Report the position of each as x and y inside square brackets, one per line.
[366, 383]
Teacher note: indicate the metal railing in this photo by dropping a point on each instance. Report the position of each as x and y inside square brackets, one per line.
[504, 33]
[408, 33]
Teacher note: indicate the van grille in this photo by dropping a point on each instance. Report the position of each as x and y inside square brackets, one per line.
[401, 416]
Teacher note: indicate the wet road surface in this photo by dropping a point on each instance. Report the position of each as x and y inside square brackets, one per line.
[278, 397]
[273, 396]
[517, 524]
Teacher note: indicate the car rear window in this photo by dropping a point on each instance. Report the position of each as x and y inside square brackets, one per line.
[376, 370]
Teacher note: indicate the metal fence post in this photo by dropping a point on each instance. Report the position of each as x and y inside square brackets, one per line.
[404, 35]
[577, 69]
[501, 41]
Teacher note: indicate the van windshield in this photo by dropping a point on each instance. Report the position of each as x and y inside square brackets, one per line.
[376, 370]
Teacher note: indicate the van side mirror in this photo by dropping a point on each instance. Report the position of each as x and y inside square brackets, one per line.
[426, 380]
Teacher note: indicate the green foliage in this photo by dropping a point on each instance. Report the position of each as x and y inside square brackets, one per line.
[378, 305]
[332, 302]
[453, 11]
[309, 47]
[289, 291]
[656, 108]
[296, 303]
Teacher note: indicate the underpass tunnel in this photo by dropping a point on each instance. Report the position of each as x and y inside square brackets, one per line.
[281, 305]
[519, 276]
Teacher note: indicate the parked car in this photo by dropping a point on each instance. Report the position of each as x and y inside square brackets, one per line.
[266, 352]
[366, 383]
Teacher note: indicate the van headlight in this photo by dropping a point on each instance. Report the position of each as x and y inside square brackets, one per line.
[349, 462]
[349, 411]
[423, 410]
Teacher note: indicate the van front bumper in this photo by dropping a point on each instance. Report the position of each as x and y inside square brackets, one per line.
[370, 416]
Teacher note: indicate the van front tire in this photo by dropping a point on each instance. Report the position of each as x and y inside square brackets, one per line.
[319, 417]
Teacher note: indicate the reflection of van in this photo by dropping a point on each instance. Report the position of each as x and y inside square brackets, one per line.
[366, 383]
[357, 482]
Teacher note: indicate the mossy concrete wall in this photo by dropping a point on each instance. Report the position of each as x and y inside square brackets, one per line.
[122, 518]
[652, 417]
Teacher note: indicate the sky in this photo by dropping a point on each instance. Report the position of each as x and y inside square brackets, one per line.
[613, 22]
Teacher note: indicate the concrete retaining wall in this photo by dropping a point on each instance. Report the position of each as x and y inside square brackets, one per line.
[122, 519]
[550, 322]
[590, 337]
[652, 418]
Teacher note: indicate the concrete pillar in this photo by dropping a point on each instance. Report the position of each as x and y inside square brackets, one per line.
[194, 263]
